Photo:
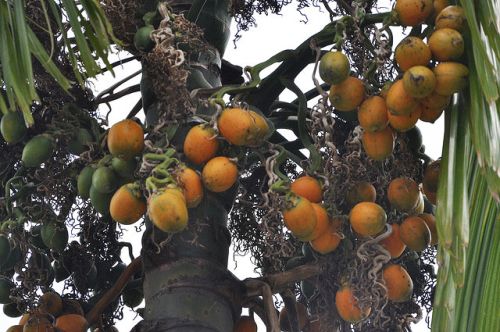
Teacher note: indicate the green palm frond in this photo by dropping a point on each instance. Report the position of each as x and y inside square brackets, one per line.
[468, 212]
[484, 54]
[19, 44]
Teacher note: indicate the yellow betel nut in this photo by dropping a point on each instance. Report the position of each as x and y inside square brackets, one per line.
[219, 174]
[367, 218]
[200, 144]
[168, 211]
[126, 139]
[299, 216]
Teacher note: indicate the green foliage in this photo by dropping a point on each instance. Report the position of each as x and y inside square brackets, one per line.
[20, 42]
[467, 293]
[213, 18]
[484, 100]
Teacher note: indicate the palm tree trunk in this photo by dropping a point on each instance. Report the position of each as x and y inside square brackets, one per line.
[187, 286]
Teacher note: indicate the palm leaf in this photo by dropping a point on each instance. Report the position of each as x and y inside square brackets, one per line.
[212, 16]
[19, 44]
[483, 53]
[43, 57]
[468, 282]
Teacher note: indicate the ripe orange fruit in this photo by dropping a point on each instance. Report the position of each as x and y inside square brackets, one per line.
[302, 317]
[412, 51]
[361, 192]
[71, 306]
[398, 101]
[385, 88]
[404, 123]
[334, 67]
[299, 216]
[51, 303]
[435, 101]
[38, 323]
[367, 218]
[413, 12]
[245, 324]
[446, 44]
[431, 176]
[177, 191]
[419, 208]
[347, 95]
[403, 194]
[328, 241]
[322, 222]
[451, 77]
[415, 233]
[200, 144]
[15, 328]
[430, 221]
[430, 114]
[168, 211]
[348, 307]
[242, 127]
[433, 106]
[398, 283]
[71, 323]
[126, 139]
[393, 243]
[219, 174]
[379, 144]
[452, 17]
[235, 125]
[372, 114]
[260, 129]
[191, 185]
[127, 204]
[308, 187]
[419, 81]
[438, 5]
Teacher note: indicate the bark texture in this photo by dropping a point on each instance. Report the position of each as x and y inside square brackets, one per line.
[187, 286]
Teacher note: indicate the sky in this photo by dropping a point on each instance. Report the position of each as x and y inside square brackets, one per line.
[273, 34]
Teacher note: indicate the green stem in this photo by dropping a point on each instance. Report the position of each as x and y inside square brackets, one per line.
[270, 88]
[254, 74]
[280, 186]
[280, 159]
[303, 135]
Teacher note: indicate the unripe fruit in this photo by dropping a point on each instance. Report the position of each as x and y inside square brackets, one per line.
[334, 67]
